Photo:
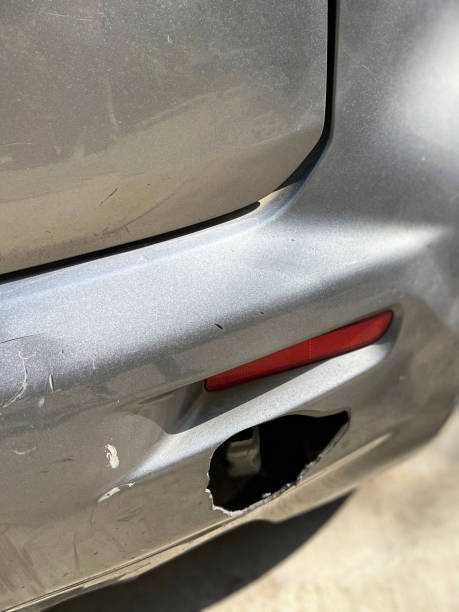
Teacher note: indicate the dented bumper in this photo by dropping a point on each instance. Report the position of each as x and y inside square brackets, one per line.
[107, 431]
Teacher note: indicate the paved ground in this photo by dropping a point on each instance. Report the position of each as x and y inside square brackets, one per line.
[393, 545]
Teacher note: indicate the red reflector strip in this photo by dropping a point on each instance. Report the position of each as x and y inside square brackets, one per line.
[337, 342]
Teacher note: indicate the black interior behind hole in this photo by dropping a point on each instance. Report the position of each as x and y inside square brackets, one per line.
[286, 446]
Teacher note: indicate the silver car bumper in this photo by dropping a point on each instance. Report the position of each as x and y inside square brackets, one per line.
[106, 429]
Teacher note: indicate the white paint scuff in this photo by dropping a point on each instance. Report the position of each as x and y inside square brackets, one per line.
[112, 456]
[115, 490]
[108, 494]
[24, 452]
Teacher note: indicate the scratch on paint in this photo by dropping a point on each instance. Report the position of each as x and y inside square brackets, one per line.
[109, 195]
[53, 14]
[76, 556]
[23, 386]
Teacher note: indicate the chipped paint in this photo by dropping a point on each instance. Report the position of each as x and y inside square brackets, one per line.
[108, 494]
[112, 456]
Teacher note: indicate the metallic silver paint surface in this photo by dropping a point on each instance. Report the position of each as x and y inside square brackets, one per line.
[123, 120]
[127, 339]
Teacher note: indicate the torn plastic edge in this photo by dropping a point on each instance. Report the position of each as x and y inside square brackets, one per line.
[300, 478]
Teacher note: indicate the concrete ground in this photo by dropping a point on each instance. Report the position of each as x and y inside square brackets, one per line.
[393, 545]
